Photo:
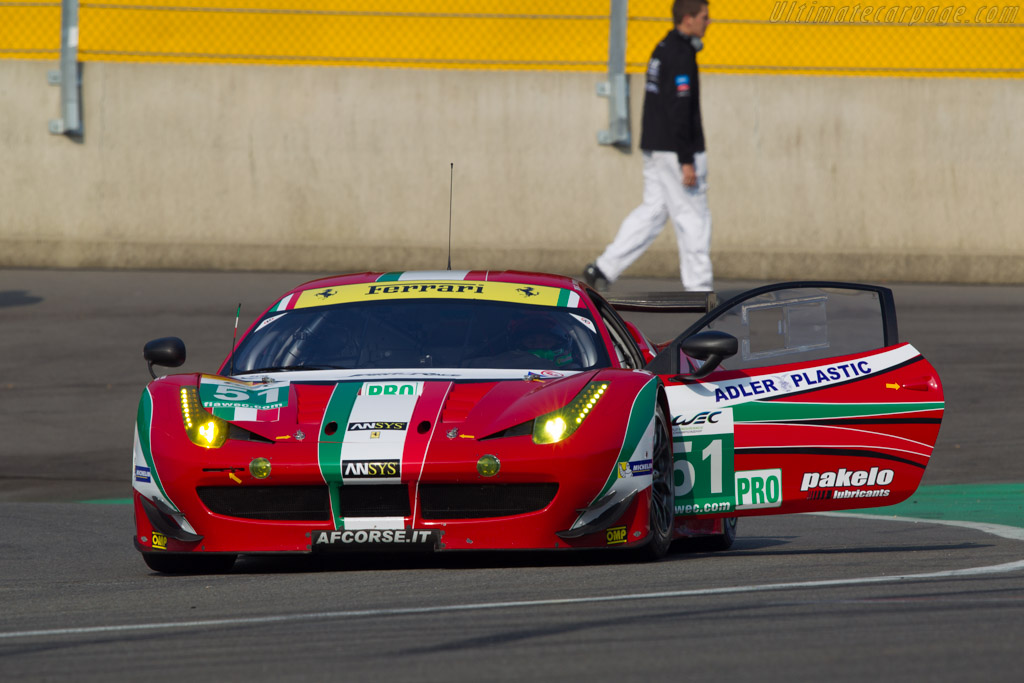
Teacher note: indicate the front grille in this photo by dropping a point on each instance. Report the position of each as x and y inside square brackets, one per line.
[387, 500]
[474, 501]
[280, 503]
[437, 501]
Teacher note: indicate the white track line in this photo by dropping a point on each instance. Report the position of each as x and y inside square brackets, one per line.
[1003, 531]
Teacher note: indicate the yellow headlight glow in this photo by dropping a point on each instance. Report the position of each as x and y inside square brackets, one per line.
[209, 432]
[203, 428]
[560, 424]
[554, 428]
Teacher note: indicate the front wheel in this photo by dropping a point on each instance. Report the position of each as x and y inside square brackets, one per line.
[662, 505]
[171, 563]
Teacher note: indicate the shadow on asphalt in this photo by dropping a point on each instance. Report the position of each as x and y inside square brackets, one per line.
[390, 561]
[17, 297]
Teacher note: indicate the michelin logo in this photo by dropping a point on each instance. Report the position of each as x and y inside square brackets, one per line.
[635, 469]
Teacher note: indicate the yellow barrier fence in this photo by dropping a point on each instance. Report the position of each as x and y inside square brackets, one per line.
[971, 39]
[29, 30]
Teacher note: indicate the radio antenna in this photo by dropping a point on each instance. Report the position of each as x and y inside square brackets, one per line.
[234, 337]
[451, 184]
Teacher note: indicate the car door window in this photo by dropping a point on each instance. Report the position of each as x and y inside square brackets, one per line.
[799, 322]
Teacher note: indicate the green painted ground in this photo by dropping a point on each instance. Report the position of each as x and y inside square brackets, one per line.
[993, 503]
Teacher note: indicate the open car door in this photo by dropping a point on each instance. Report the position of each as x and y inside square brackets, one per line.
[798, 397]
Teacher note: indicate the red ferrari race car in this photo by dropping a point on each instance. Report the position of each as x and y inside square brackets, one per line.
[479, 410]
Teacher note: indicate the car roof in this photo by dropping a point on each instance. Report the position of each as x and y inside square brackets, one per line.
[511, 276]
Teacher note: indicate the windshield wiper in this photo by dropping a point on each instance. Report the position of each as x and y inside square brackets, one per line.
[288, 368]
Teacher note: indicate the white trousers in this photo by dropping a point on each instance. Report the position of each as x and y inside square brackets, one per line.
[666, 197]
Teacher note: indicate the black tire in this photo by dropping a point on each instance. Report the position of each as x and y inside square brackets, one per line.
[724, 540]
[662, 507]
[170, 563]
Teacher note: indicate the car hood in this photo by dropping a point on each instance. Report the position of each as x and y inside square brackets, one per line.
[343, 406]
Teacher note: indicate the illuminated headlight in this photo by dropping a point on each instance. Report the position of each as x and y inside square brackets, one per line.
[560, 424]
[203, 429]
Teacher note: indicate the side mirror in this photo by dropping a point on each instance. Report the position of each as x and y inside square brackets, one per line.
[169, 351]
[710, 346]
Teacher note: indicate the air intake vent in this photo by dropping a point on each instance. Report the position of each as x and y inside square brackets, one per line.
[389, 500]
[476, 501]
[277, 503]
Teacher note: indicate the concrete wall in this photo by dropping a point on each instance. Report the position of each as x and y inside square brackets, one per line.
[330, 169]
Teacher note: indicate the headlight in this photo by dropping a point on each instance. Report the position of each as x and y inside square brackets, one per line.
[202, 428]
[560, 424]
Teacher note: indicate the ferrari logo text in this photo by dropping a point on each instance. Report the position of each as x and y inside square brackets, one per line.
[424, 288]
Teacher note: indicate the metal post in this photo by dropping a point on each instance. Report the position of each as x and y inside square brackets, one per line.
[616, 88]
[68, 76]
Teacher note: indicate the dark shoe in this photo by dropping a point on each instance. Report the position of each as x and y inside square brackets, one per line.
[595, 278]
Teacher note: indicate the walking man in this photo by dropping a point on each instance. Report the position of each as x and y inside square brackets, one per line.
[675, 163]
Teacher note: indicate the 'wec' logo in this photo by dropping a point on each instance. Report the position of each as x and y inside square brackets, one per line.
[704, 417]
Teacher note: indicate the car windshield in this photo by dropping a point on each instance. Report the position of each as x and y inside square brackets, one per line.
[416, 333]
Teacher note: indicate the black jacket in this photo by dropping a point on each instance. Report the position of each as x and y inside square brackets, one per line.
[672, 100]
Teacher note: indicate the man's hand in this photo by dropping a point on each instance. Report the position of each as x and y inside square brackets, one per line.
[689, 175]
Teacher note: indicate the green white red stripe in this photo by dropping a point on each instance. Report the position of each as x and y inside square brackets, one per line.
[364, 435]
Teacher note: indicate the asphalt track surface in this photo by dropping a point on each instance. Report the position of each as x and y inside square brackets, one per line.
[822, 597]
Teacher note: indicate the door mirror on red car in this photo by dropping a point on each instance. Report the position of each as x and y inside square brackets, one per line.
[168, 351]
[711, 347]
